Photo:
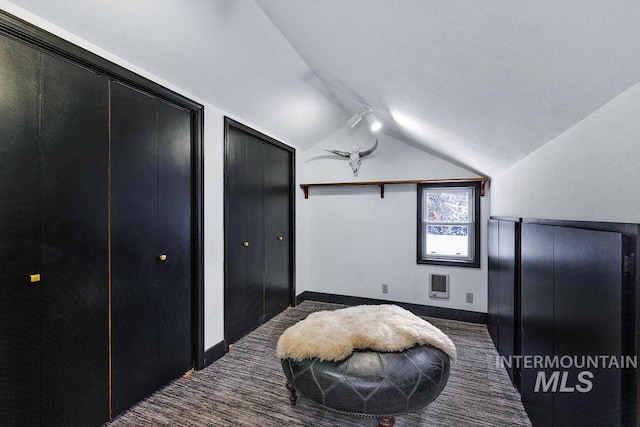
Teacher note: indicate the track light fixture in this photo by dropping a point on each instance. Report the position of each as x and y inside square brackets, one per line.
[367, 113]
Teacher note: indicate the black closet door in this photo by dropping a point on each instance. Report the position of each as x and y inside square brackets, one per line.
[75, 140]
[134, 246]
[19, 234]
[244, 234]
[536, 317]
[255, 232]
[587, 313]
[236, 296]
[277, 208]
[174, 220]
[493, 299]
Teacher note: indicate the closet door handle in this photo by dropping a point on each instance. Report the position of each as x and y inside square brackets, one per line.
[162, 257]
[280, 238]
[245, 244]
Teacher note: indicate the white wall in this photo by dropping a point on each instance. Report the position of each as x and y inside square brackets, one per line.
[590, 172]
[355, 241]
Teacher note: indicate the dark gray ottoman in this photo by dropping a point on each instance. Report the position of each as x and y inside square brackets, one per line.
[370, 383]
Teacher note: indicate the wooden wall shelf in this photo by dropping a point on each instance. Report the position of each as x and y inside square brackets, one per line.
[381, 184]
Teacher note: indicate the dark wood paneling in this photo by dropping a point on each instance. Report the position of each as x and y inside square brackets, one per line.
[19, 234]
[536, 317]
[174, 220]
[587, 315]
[75, 138]
[493, 300]
[507, 292]
[277, 208]
[134, 246]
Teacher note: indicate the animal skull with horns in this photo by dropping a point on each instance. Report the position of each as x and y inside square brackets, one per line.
[355, 156]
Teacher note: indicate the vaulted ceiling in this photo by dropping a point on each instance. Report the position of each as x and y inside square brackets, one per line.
[481, 83]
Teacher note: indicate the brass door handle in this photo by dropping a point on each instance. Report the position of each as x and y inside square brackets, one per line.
[280, 238]
[162, 257]
[34, 278]
[245, 244]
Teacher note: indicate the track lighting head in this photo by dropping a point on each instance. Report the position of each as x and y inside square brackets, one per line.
[374, 123]
[367, 113]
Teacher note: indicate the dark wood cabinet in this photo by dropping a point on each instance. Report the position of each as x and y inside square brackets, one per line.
[572, 300]
[503, 288]
[97, 180]
[572, 306]
[536, 317]
[493, 295]
[258, 229]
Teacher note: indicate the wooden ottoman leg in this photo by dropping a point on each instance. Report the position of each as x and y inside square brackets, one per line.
[386, 421]
[293, 397]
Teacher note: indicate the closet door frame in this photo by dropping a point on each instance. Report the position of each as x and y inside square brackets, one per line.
[42, 40]
[230, 123]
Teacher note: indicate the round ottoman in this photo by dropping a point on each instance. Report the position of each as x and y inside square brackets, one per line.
[370, 383]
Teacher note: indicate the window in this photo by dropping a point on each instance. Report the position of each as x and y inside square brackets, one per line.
[448, 224]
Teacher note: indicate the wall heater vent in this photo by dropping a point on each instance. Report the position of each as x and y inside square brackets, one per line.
[439, 286]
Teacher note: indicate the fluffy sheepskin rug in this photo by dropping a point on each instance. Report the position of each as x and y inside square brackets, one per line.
[333, 335]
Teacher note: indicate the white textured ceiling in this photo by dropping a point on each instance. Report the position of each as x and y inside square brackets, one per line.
[482, 83]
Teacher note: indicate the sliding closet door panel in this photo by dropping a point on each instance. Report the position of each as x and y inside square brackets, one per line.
[236, 253]
[277, 208]
[244, 234]
[587, 310]
[75, 138]
[493, 279]
[536, 317]
[255, 226]
[174, 220]
[134, 246]
[19, 234]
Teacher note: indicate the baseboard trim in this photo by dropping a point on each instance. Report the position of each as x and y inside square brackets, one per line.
[420, 310]
[214, 353]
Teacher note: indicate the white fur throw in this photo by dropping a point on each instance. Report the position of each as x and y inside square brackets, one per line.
[333, 335]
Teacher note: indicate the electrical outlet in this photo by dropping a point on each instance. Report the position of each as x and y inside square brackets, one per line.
[470, 297]
[385, 288]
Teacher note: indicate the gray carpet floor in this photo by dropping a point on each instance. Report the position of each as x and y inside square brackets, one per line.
[246, 387]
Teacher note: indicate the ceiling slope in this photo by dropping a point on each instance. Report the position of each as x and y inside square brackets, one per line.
[226, 52]
[483, 83]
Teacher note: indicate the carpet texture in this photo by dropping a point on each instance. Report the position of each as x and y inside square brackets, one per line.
[246, 387]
